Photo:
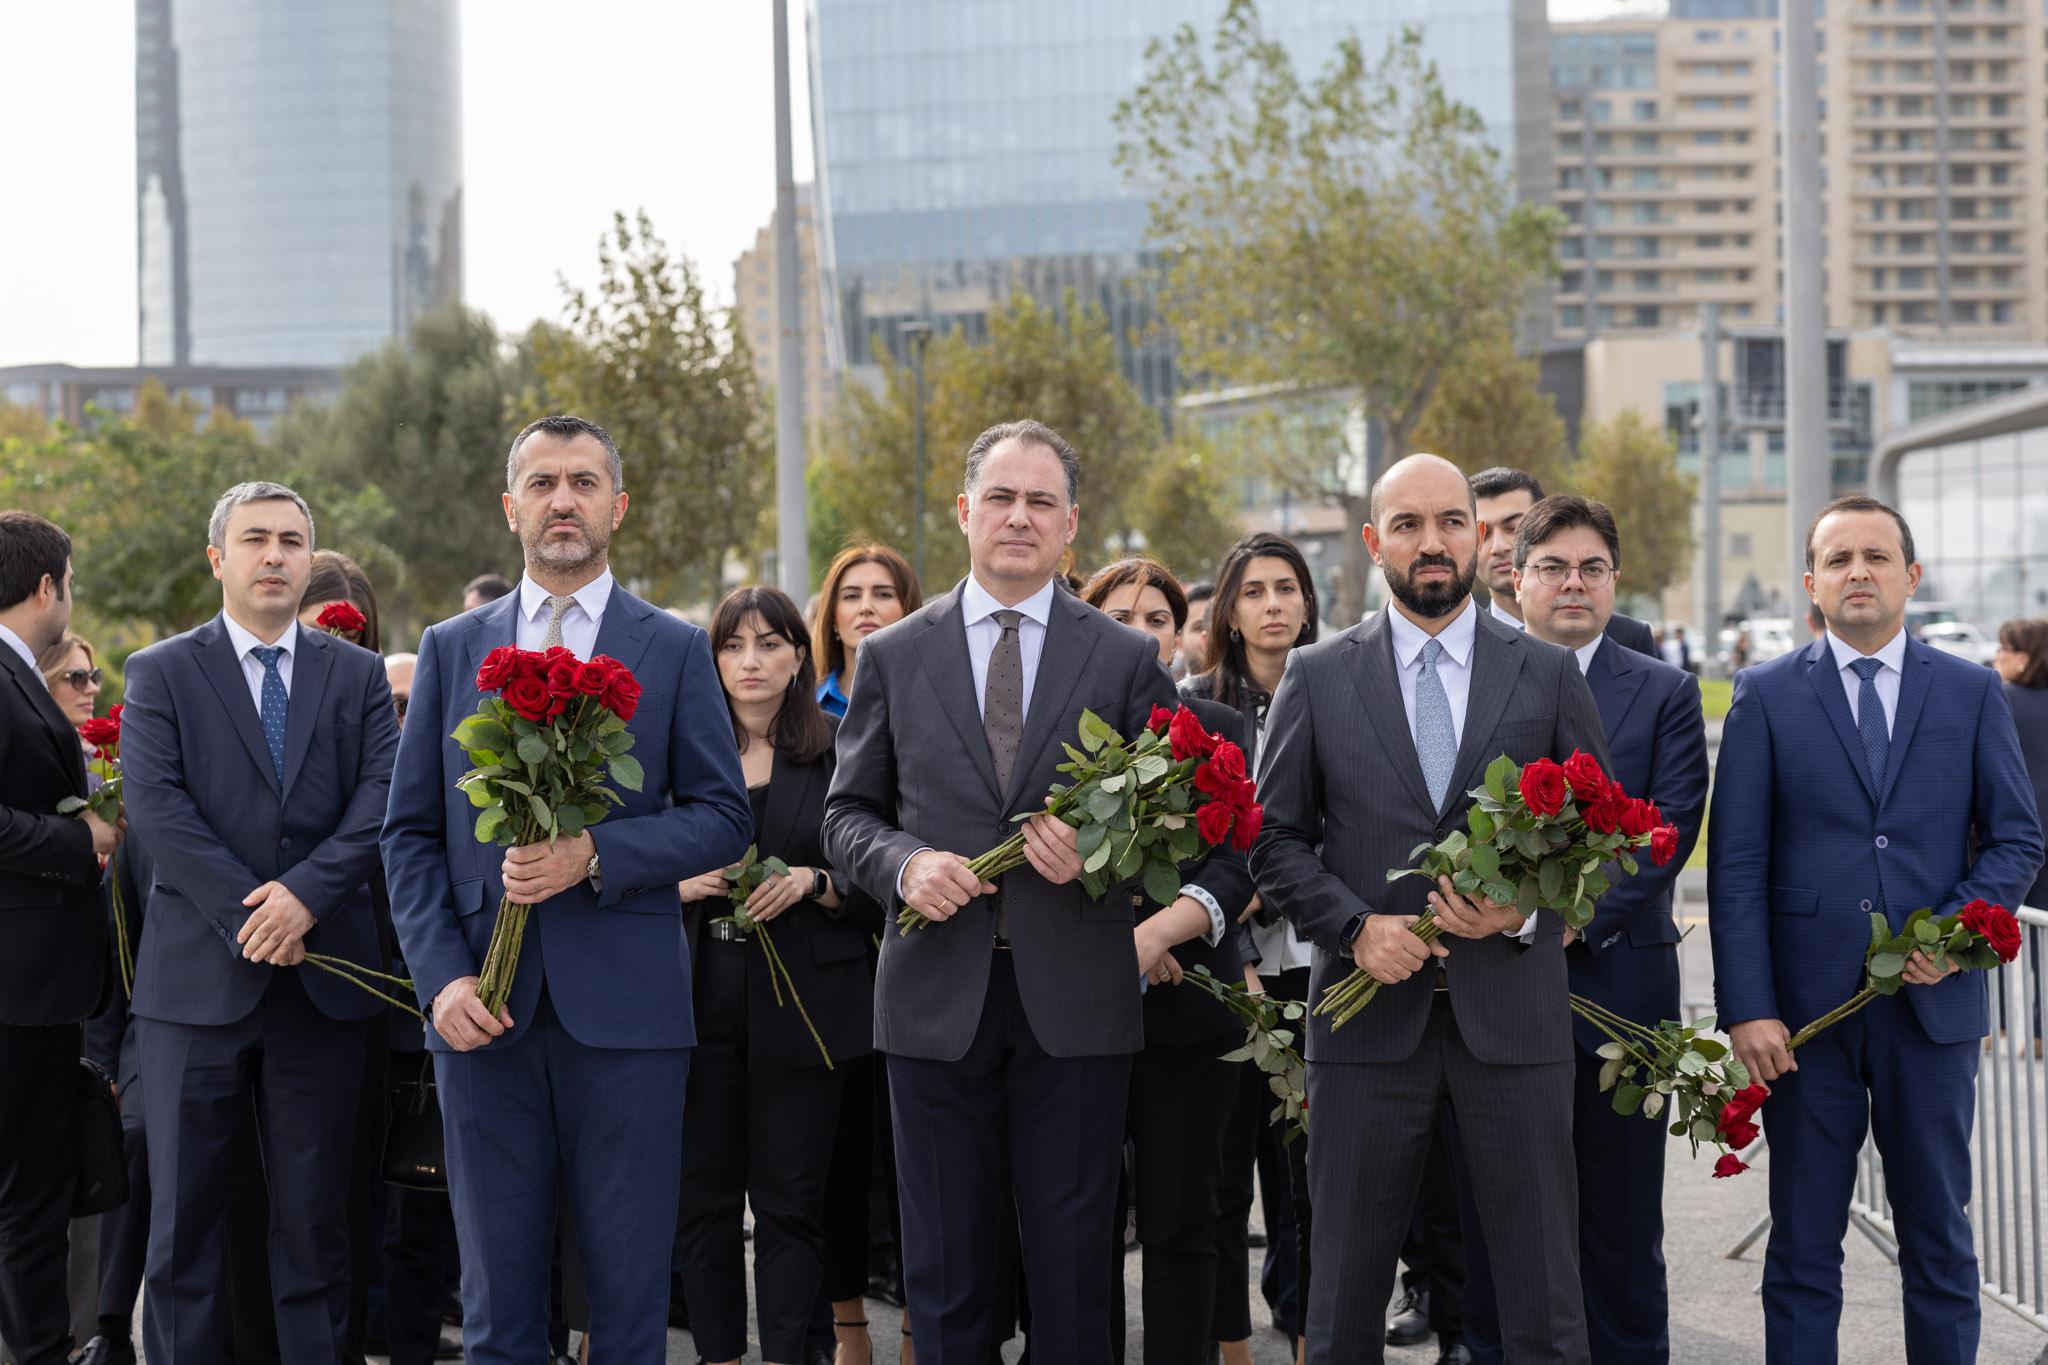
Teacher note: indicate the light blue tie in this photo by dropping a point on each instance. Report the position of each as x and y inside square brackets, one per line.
[1436, 738]
[275, 702]
[1877, 739]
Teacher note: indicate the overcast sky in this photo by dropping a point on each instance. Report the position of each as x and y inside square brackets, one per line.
[568, 113]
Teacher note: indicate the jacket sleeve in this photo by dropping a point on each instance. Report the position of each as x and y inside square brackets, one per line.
[35, 843]
[1739, 862]
[1286, 862]
[415, 838]
[1678, 784]
[2007, 826]
[333, 873]
[862, 837]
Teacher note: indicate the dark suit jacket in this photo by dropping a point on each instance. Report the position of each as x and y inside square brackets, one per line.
[2030, 717]
[109, 1035]
[201, 789]
[826, 951]
[615, 961]
[53, 967]
[1630, 633]
[1345, 802]
[1657, 744]
[1803, 847]
[907, 779]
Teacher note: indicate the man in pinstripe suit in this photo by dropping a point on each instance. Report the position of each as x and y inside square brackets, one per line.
[1374, 738]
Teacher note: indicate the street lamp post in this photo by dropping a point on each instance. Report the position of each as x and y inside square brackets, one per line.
[916, 336]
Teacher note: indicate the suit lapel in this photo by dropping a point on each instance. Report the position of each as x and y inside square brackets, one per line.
[314, 659]
[788, 789]
[1068, 647]
[1615, 682]
[1826, 681]
[943, 651]
[624, 631]
[1496, 663]
[222, 669]
[1913, 684]
[493, 625]
[54, 721]
[1379, 688]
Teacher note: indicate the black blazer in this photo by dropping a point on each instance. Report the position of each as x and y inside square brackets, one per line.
[826, 951]
[1630, 633]
[53, 968]
[109, 1039]
[2030, 718]
[1186, 1016]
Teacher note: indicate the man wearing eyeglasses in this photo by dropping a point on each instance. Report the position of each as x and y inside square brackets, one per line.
[1567, 560]
[1504, 496]
[398, 671]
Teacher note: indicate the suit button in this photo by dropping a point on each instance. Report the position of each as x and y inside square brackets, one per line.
[284, 843]
[1883, 842]
[1866, 907]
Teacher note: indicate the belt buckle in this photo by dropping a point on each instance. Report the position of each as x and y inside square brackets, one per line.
[725, 931]
[1443, 978]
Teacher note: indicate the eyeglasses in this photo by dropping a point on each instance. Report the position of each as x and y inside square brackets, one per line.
[1551, 574]
[81, 678]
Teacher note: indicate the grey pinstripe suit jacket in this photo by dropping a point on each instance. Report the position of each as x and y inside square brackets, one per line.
[1345, 803]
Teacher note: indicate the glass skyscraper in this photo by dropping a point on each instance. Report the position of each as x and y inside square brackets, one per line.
[965, 147]
[298, 176]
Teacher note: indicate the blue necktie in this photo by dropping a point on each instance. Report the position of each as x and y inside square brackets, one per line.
[1436, 738]
[275, 701]
[1877, 739]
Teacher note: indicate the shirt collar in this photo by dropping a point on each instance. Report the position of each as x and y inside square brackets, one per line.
[19, 646]
[1587, 651]
[245, 640]
[977, 603]
[1456, 637]
[592, 596]
[1892, 656]
[1501, 615]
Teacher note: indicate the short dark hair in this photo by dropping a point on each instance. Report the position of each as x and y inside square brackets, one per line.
[1859, 503]
[1565, 512]
[1201, 590]
[2028, 638]
[489, 586]
[1491, 483]
[1030, 432]
[31, 548]
[800, 732]
[336, 577]
[567, 428]
[1816, 619]
[1138, 570]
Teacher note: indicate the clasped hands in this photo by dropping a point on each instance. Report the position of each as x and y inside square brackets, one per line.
[937, 885]
[1387, 951]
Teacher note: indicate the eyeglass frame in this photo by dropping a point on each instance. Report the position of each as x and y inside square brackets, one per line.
[81, 678]
[1544, 568]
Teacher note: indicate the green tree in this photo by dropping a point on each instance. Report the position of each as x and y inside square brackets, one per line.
[1187, 510]
[1632, 466]
[1058, 365]
[1490, 409]
[669, 375]
[1348, 230]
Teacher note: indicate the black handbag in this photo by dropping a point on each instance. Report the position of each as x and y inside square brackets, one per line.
[102, 1160]
[414, 1156]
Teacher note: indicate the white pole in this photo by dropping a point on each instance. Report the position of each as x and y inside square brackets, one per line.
[1807, 457]
[793, 559]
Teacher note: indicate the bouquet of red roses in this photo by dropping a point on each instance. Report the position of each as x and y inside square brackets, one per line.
[103, 733]
[549, 731]
[1141, 807]
[342, 619]
[1536, 837]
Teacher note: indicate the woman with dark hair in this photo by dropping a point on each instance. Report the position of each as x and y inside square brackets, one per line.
[2022, 660]
[1182, 1093]
[763, 1104]
[1265, 606]
[868, 586]
[338, 578]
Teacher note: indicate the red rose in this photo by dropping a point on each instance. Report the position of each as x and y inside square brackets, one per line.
[1543, 786]
[1159, 720]
[562, 678]
[1245, 832]
[102, 732]
[499, 667]
[1735, 1123]
[1604, 815]
[530, 663]
[1639, 818]
[1188, 738]
[339, 617]
[622, 692]
[1729, 1164]
[1996, 925]
[1228, 760]
[528, 696]
[1582, 770]
[1212, 821]
[1663, 844]
[591, 678]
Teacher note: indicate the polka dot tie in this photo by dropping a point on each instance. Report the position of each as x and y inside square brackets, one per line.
[1436, 733]
[556, 607]
[1870, 723]
[275, 703]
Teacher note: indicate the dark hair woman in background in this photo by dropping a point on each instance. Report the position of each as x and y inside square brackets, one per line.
[868, 586]
[2022, 660]
[337, 578]
[763, 1106]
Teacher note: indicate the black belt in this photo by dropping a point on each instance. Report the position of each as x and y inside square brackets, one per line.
[725, 931]
[1443, 978]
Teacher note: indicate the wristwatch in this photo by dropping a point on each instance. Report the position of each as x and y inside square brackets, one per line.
[592, 871]
[820, 883]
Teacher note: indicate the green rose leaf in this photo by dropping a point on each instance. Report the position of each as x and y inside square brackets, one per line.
[625, 770]
[533, 749]
[1162, 881]
[1880, 931]
[1627, 1098]
[1884, 966]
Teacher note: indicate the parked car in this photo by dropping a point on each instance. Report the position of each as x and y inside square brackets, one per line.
[1961, 639]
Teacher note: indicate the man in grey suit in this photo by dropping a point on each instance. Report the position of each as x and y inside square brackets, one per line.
[1009, 1021]
[1373, 740]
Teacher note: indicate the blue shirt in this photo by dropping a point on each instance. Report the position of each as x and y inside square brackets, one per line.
[830, 697]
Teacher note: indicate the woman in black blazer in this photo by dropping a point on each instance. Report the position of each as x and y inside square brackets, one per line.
[762, 1105]
[1182, 1094]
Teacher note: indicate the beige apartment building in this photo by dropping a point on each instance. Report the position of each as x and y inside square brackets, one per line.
[754, 286]
[1934, 191]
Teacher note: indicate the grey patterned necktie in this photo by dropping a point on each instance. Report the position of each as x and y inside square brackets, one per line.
[1002, 701]
[1436, 737]
[557, 606]
[1877, 738]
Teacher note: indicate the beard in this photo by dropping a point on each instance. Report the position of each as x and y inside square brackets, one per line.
[580, 552]
[1432, 601]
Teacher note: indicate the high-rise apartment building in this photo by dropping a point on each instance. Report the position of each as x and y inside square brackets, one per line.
[754, 295]
[1933, 115]
[298, 176]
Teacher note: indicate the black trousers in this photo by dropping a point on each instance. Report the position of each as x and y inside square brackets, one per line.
[419, 1260]
[846, 1184]
[757, 1137]
[1007, 1123]
[366, 1209]
[1279, 1197]
[124, 1231]
[38, 1175]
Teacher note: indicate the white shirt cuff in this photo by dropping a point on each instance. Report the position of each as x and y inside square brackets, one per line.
[906, 867]
[1527, 931]
[1217, 923]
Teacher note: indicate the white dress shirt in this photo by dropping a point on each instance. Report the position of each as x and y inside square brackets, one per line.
[1453, 670]
[1892, 656]
[977, 611]
[1585, 652]
[579, 622]
[1503, 616]
[19, 646]
[252, 667]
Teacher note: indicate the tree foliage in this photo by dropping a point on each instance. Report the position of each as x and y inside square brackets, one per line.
[1490, 409]
[1632, 466]
[1349, 229]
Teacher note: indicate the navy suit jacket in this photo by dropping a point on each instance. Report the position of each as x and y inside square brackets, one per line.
[1802, 847]
[1657, 750]
[615, 960]
[202, 791]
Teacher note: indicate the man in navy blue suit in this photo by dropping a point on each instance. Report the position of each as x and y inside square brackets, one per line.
[1864, 773]
[258, 756]
[580, 1078]
[1567, 559]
